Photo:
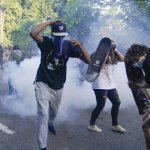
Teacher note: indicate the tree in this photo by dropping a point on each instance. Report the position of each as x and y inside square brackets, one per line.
[96, 17]
[1, 21]
[20, 17]
[13, 13]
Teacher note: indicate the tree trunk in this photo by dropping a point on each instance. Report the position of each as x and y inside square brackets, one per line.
[1, 22]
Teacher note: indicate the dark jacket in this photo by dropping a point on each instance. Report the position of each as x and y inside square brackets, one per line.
[146, 68]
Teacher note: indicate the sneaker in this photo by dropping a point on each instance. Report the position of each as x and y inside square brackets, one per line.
[51, 129]
[94, 128]
[43, 148]
[118, 128]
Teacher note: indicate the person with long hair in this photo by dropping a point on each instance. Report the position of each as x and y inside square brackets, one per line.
[104, 87]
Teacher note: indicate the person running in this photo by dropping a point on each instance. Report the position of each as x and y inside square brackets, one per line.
[104, 87]
[51, 74]
[137, 63]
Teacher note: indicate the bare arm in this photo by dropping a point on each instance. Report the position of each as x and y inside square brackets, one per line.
[119, 55]
[85, 56]
[35, 32]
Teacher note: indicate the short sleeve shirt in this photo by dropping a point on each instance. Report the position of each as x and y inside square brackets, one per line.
[50, 74]
[105, 80]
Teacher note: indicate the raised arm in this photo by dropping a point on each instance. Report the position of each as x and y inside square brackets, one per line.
[35, 32]
[119, 55]
[84, 56]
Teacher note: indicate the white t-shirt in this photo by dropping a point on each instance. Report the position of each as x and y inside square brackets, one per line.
[105, 80]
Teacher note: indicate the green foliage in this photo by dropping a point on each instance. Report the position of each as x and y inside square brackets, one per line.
[12, 18]
[21, 16]
[81, 16]
[20, 35]
[144, 5]
[78, 17]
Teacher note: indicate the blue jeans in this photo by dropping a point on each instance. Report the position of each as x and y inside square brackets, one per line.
[101, 96]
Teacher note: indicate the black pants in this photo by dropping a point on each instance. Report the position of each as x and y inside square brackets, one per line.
[101, 96]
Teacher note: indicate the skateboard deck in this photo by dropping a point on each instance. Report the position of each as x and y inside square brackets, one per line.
[98, 59]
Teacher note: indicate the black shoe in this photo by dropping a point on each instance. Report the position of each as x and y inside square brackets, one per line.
[43, 148]
[51, 129]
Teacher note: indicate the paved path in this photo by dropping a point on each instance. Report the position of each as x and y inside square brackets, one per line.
[73, 134]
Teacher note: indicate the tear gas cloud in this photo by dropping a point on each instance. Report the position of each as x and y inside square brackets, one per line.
[22, 78]
[123, 22]
[76, 95]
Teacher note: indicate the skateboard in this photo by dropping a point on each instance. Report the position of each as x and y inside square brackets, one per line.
[98, 59]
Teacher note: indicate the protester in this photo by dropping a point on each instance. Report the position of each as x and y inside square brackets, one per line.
[104, 87]
[137, 62]
[51, 74]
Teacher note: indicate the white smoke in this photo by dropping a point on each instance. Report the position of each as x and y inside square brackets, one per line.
[123, 22]
[122, 86]
[22, 78]
[76, 95]
[81, 96]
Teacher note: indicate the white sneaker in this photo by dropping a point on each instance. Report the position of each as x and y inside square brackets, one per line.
[118, 128]
[94, 128]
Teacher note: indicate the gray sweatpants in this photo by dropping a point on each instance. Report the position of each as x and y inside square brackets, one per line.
[48, 101]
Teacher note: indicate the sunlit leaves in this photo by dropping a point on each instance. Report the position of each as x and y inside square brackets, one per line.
[81, 16]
